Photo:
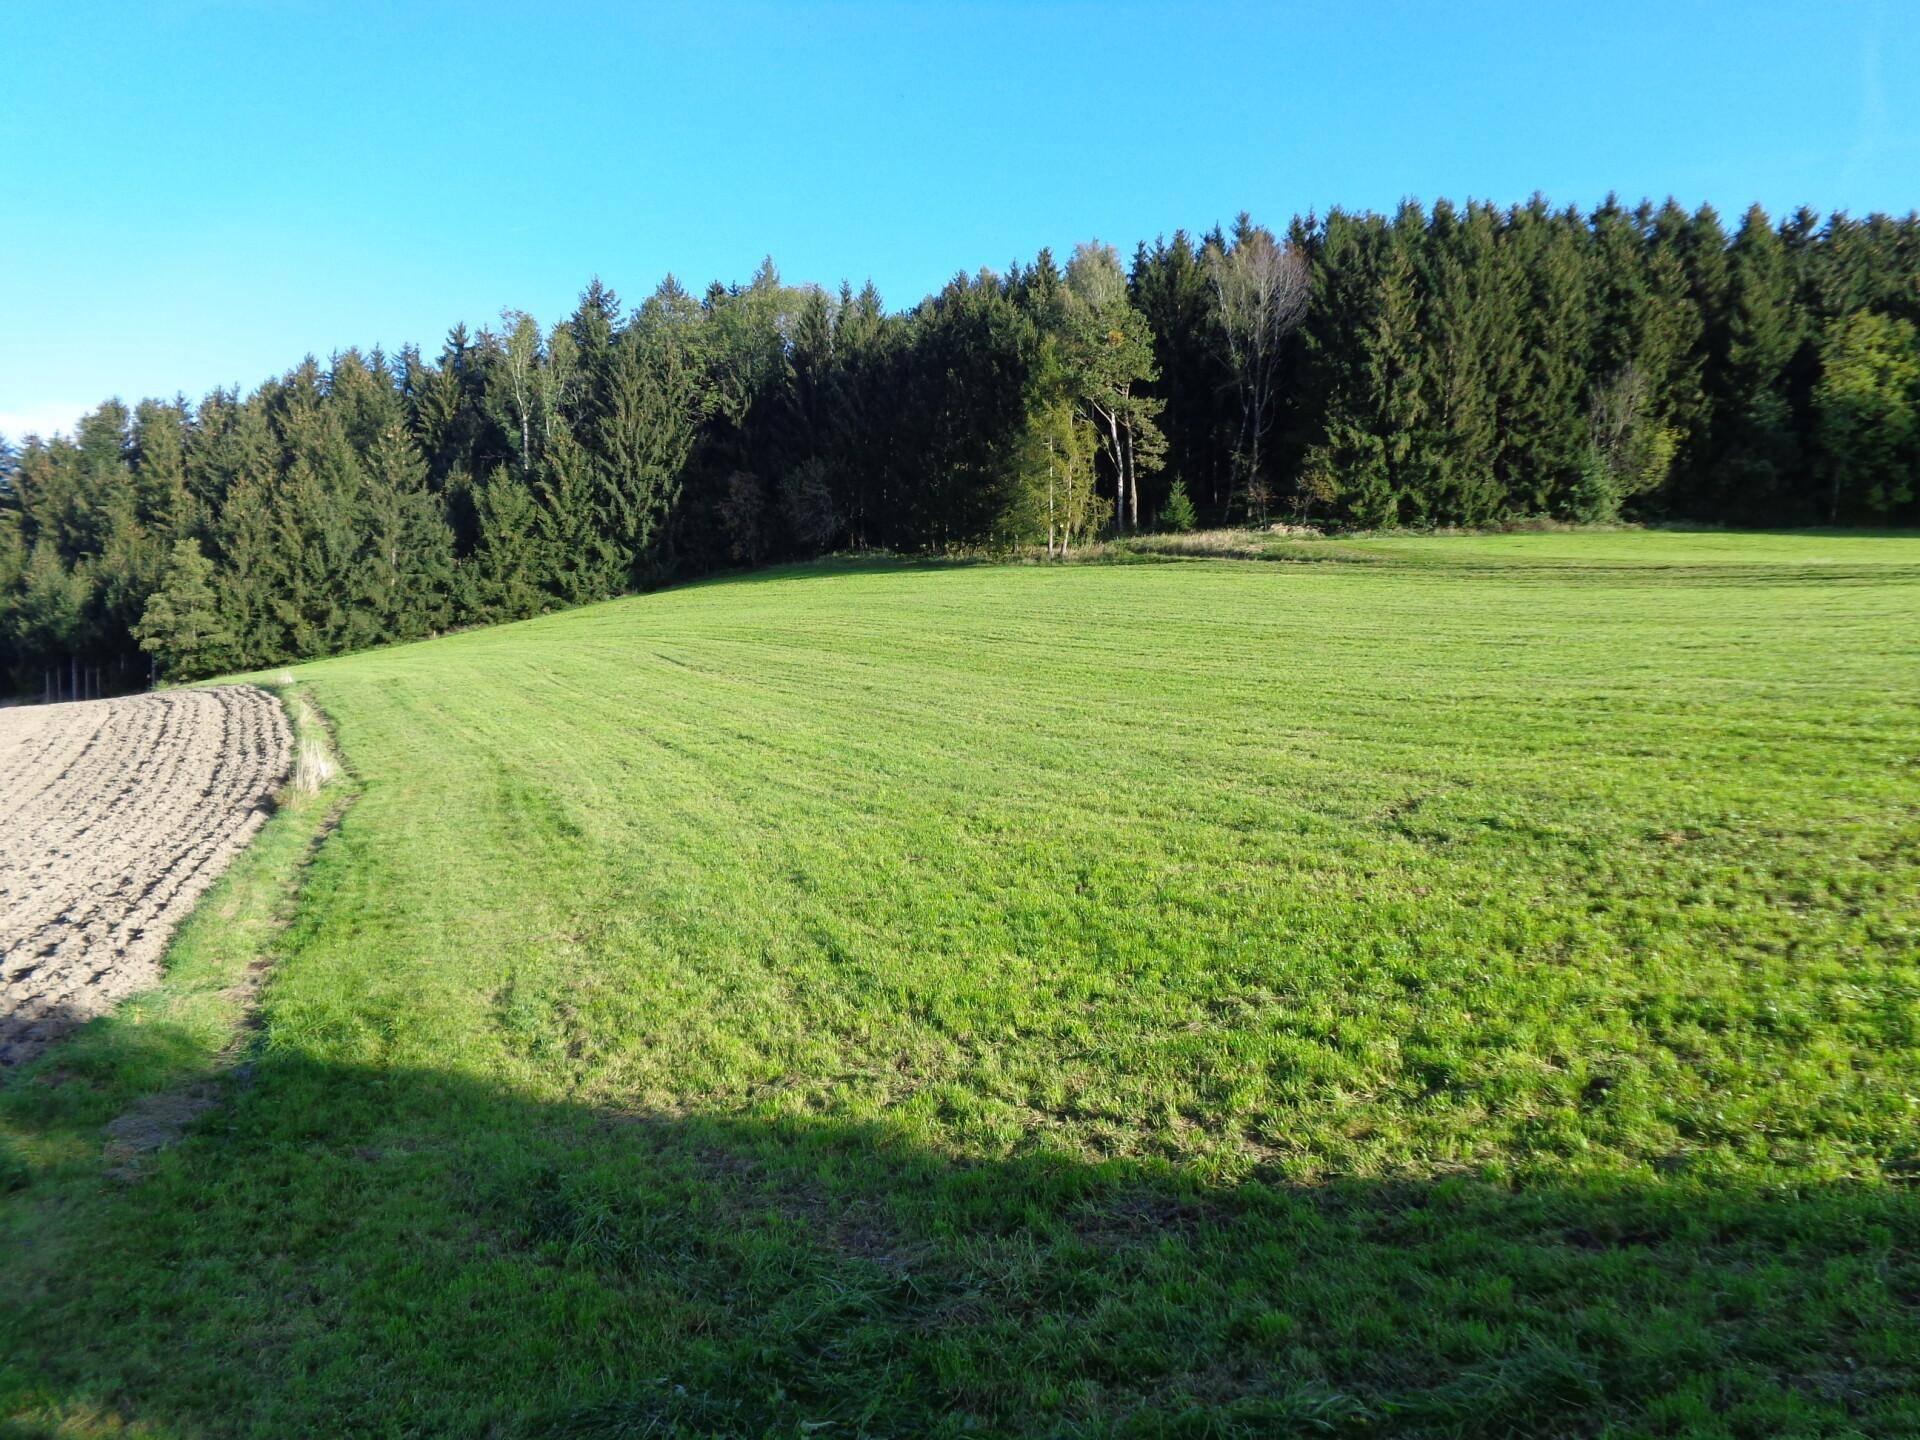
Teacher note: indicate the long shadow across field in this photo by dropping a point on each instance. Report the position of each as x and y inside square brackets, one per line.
[345, 1250]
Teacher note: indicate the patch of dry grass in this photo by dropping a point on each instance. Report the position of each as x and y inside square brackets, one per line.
[314, 764]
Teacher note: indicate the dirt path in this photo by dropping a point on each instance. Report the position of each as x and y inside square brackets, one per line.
[114, 816]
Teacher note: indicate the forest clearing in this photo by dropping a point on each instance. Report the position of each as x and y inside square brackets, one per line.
[1454, 986]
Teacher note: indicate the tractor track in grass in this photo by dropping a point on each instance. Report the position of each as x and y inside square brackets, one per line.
[115, 816]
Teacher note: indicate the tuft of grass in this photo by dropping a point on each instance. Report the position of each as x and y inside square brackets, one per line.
[1471, 992]
[313, 766]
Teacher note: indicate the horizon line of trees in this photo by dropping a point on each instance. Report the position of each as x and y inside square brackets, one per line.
[1463, 365]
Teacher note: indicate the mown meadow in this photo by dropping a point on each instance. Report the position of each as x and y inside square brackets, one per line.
[1441, 986]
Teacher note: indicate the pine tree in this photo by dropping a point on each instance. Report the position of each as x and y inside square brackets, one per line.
[1394, 364]
[104, 479]
[245, 458]
[576, 533]
[645, 436]
[1619, 287]
[129, 567]
[1699, 243]
[1669, 351]
[317, 560]
[1548, 416]
[164, 503]
[963, 376]
[1470, 326]
[809, 506]
[14, 666]
[50, 614]
[861, 458]
[594, 321]
[1177, 514]
[181, 627]
[406, 569]
[1344, 471]
[1759, 454]
[507, 575]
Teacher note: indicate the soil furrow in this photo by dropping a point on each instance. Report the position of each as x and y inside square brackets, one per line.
[116, 817]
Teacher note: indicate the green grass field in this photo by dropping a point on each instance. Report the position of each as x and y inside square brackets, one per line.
[1473, 990]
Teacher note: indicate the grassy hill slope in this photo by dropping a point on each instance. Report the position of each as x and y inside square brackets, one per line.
[1473, 990]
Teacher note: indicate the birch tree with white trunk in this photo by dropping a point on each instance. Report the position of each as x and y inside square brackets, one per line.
[1111, 350]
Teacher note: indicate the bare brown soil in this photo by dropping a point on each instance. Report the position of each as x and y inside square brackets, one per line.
[115, 815]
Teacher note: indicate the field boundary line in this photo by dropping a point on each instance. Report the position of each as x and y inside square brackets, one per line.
[163, 1118]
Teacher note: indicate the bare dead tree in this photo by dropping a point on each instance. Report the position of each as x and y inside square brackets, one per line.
[1261, 287]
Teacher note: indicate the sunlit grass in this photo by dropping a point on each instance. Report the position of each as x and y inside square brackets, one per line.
[1470, 990]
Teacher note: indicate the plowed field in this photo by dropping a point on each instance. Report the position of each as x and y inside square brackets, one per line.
[114, 816]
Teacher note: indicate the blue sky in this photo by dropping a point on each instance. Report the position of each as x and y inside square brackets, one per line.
[201, 193]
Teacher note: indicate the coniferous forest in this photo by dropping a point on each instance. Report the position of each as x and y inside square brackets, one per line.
[1454, 366]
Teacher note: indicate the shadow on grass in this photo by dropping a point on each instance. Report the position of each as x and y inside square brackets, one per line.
[335, 1249]
[843, 563]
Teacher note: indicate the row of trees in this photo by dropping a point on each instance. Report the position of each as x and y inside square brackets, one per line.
[1459, 365]
[1470, 365]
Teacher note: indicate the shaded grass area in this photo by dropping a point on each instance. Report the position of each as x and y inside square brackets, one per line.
[389, 1251]
[1215, 998]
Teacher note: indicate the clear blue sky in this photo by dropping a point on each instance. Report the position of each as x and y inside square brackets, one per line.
[201, 193]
